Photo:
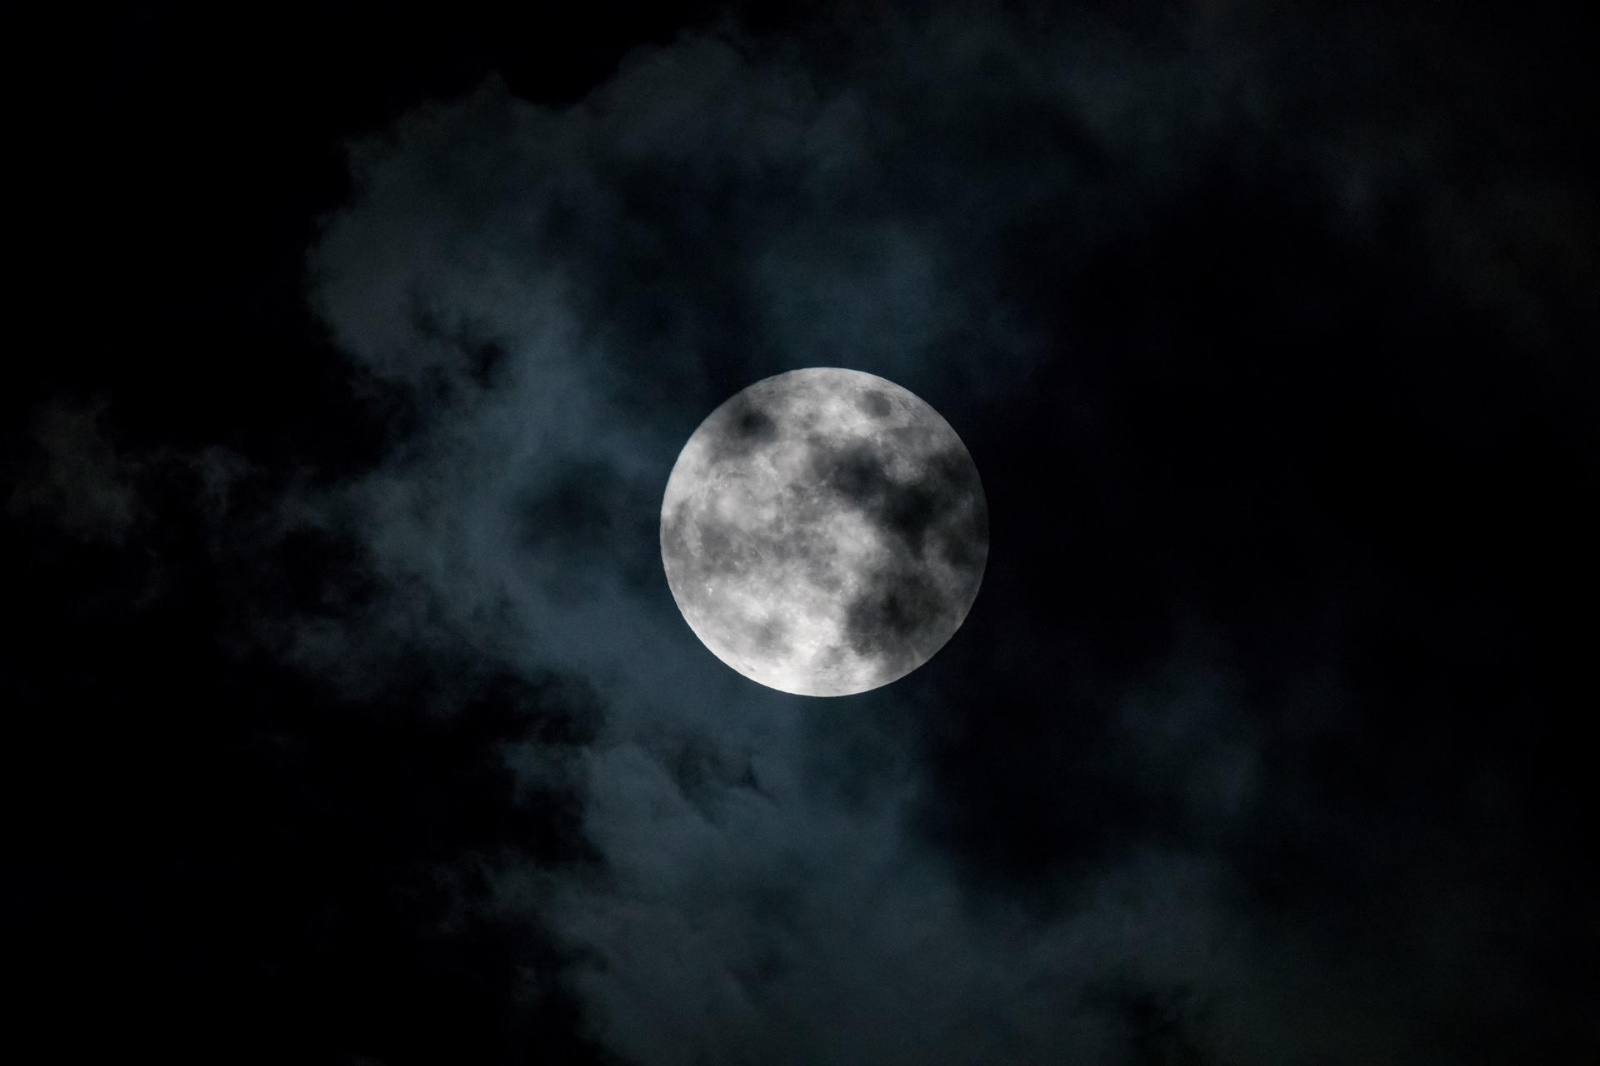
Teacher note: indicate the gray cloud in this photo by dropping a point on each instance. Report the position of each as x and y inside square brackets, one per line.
[76, 479]
[568, 291]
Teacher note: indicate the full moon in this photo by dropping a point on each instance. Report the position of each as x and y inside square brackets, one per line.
[824, 532]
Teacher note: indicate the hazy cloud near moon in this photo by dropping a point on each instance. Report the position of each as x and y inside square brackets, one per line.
[567, 292]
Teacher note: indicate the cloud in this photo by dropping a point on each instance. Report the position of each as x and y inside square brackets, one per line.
[565, 292]
[77, 480]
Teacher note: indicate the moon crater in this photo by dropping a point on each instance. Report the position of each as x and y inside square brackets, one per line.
[824, 532]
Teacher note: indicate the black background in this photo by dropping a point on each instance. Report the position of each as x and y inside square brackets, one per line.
[209, 854]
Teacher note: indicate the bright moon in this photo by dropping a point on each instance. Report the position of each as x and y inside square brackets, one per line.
[824, 532]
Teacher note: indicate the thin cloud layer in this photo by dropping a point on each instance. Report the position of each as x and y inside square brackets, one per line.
[566, 292]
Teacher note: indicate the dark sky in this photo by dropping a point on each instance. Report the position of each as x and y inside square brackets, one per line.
[351, 720]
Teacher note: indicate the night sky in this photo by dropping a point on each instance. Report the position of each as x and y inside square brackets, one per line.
[351, 720]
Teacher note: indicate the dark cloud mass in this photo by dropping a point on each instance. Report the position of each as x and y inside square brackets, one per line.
[353, 719]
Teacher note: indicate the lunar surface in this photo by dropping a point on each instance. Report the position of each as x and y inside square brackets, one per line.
[824, 532]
